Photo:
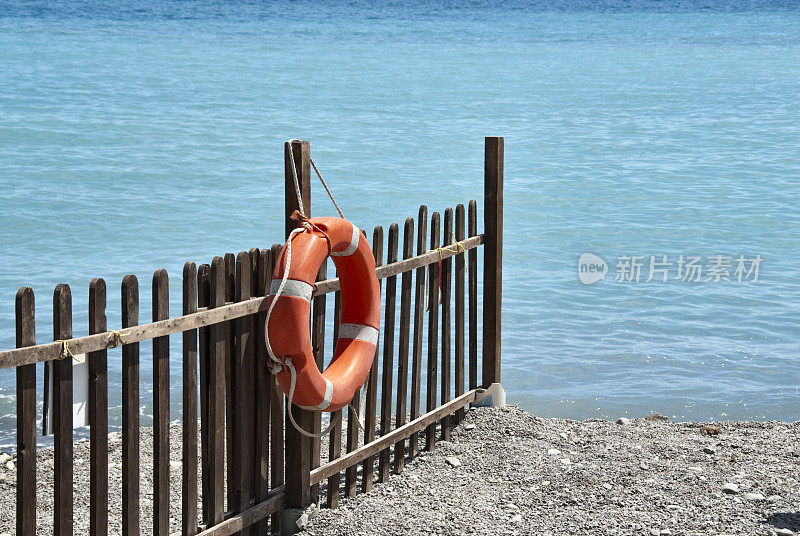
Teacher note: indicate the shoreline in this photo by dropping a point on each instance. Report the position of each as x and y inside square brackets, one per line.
[508, 472]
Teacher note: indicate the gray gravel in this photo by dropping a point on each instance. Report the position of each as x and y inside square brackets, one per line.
[518, 474]
[44, 495]
[507, 472]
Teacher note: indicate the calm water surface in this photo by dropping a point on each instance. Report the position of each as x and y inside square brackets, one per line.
[139, 135]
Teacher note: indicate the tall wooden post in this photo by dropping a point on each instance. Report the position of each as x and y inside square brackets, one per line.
[298, 447]
[492, 258]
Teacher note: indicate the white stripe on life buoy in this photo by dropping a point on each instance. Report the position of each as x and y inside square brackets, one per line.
[353, 244]
[326, 401]
[293, 287]
[359, 332]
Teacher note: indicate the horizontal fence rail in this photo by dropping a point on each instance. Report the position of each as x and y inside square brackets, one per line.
[207, 317]
[245, 470]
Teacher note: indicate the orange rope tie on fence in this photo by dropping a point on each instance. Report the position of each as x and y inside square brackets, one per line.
[65, 351]
[116, 338]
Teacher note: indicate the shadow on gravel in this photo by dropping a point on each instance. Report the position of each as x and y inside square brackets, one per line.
[785, 520]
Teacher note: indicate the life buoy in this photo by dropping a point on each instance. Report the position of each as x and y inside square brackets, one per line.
[288, 323]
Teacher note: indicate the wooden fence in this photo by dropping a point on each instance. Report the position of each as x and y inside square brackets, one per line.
[269, 467]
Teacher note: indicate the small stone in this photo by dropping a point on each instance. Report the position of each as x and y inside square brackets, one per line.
[730, 488]
[665, 532]
[753, 496]
[710, 430]
[563, 435]
[623, 420]
[10, 465]
[709, 450]
[784, 532]
[452, 461]
[657, 417]
[175, 464]
[516, 519]
[772, 499]
[643, 466]
[469, 427]
[5, 457]
[655, 532]
[608, 486]
[512, 506]
[566, 461]
[545, 482]
[554, 452]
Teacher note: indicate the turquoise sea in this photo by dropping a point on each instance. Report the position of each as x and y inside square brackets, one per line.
[136, 135]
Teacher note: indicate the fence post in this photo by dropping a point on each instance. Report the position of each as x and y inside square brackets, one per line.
[492, 258]
[298, 447]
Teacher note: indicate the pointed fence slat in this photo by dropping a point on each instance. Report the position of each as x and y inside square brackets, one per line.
[98, 415]
[433, 333]
[160, 408]
[216, 399]
[335, 441]
[370, 413]
[419, 321]
[446, 283]
[472, 260]
[204, 364]
[387, 372]
[130, 410]
[460, 266]
[403, 345]
[26, 417]
[189, 428]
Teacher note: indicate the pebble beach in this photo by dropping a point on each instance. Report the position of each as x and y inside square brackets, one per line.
[507, 472]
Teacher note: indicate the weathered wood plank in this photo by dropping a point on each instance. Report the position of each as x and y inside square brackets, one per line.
[216, 399]
[352, 458]
[433, 333]
[160, 408]
[204, 363]
[26, 416]
[204, 316]
[243, 390]
[460, 265]
[62, 416]
[472, 260]
[370, 413]
[318, 346]
[98, 415]
[130, 410]
[387, 370]
[419, 320]
[262, 269]
[298, 446]
[335, 440]
[403, 345]
[446, 284]
[492, 258]
[230, 383]
[189, 422]
[276, 413]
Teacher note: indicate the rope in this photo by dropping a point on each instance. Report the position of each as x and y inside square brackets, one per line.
[297, 182]
[326, 189]
[293, 374]
[65, 351]
[116, 338]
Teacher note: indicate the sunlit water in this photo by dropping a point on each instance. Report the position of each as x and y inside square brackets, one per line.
[137, 135]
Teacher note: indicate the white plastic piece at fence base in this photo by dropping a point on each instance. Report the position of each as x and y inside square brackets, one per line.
[290, 520]
[495, 395]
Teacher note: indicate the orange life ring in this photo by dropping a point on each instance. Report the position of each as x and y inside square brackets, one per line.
[288, 326]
